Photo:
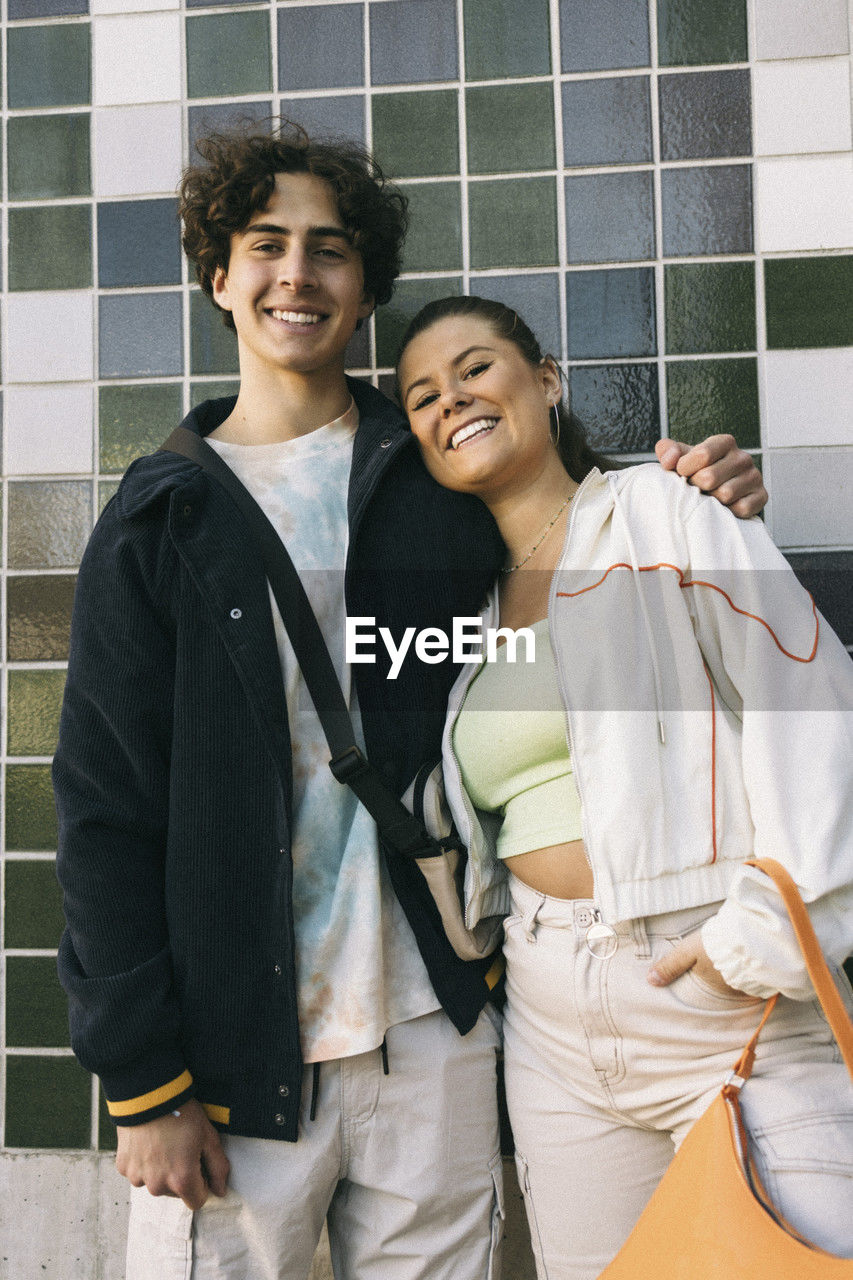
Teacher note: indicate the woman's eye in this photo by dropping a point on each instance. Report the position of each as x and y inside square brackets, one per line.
[476, 369]
[424, 401]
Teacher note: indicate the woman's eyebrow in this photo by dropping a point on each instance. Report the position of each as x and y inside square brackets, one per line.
[463, 355]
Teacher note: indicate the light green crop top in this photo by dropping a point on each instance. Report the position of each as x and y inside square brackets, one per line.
[510, 742]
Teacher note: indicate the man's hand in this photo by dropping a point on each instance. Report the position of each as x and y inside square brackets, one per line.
[175, 1155]
[717, 466]
[689, 953]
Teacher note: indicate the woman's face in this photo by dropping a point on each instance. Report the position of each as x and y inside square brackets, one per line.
[479, 409]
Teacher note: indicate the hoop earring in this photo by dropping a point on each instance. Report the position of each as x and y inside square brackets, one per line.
[555, 435]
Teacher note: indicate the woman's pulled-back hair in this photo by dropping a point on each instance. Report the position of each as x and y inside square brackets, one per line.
[577, 456]
[237, 179]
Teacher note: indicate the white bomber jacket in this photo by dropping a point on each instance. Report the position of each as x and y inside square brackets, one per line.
[709, 714]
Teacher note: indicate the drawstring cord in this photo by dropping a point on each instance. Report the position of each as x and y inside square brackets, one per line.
[383, 1049]
[315, 1089]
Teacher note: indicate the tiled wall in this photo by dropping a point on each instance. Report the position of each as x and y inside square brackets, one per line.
[663, 187]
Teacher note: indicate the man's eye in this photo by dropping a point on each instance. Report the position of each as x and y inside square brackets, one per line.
[327, 252]
[266, 246]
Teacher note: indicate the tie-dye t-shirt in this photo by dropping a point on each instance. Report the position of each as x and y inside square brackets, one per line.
[357, 964]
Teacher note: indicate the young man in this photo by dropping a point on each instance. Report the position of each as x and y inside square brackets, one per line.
[231, 917]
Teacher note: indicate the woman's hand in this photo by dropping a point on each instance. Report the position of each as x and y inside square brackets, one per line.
[690, 953]
[719, 467]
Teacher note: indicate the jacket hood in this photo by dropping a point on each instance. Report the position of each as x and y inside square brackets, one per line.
[150, 479]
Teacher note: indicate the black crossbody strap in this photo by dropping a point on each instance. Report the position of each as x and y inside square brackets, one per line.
[348, 763]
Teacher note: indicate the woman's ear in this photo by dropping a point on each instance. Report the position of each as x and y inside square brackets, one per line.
[551, 380]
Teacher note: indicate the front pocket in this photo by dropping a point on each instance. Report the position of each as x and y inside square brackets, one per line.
[523, 1172]
[498, 1217]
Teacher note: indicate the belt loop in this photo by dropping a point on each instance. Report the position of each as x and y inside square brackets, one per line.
[639, 932]
[528, 919]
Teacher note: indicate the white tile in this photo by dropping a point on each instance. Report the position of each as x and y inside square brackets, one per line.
[49, 429]
[51, 337]
[802, 106]
[804, 203]
[800, 28]
[808, 395]
[136, 59]
[131, 6]
[810, 496]
[137, 150]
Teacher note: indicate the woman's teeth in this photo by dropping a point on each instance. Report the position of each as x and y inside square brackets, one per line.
[473, 429]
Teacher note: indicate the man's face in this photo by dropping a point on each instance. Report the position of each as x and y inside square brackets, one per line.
[295, 283]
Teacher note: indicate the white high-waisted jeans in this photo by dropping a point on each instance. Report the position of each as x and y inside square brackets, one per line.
[606, 1073]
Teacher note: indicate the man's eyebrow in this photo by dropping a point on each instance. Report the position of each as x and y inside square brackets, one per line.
[463, 355]
[316, 233]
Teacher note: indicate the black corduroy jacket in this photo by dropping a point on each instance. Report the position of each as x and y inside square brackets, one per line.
[173, 772]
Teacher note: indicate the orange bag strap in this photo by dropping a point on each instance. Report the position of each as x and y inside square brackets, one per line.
[818, 970]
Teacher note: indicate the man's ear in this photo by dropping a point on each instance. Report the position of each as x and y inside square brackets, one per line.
[220, 289]
[366, 306]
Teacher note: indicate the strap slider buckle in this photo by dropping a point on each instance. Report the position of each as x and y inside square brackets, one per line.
[734, 1081]
[350, 764]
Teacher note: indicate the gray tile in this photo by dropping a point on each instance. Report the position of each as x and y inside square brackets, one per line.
[611, 313]
[618, 405]
[221, 116]
[508, 39]
[49, 66]
[138, 243]
[607, 121]
[605, 35]
[46, 8]
[610, 217]
[210, 4]
[413, 43]
[320, 47]
[333, 117]
[536, 298]
[357, 354]
[140, 335]
[705, 114]
[213, 346]
[707, 210]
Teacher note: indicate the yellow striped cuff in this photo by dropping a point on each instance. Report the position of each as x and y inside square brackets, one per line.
[145, 1101]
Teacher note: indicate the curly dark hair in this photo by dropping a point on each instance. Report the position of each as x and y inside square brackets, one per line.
[577, 455]
[219, 197]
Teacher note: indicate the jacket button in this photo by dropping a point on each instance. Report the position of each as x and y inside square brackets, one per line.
[277, 970]
[280, 1119]
[284, 1091]
[187, 512]
[236, 613]
[385, 444]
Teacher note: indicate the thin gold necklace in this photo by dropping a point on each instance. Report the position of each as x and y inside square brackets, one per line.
[538, 543]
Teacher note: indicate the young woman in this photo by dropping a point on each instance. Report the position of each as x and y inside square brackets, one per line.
[687, 709]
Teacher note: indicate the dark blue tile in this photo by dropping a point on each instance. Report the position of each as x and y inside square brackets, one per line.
[611, 313]
[610, 217]
[536, 298]
[618, 405]
[413, 43]
[320, 47]
[220, 117]
[604, 36]
[138, 243]
[607, 121]
[705, 114]
[140, 335]
[707, 210]
[357, 354]
[336, 117]
[828, 575]
[46, 8]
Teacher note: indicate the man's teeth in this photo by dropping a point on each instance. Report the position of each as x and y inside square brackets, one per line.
[296, 317]
[472, 429]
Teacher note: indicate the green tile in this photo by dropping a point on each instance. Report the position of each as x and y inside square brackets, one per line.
[49, 523]
[693, 31]
[49, 156]
[200, 391]
[34, 703]
[49, 66]
[245, 69]
[39, 617]
[48, 1102]
[135, 420]
[213, 346]
[416, 135]
[30, 811]
[393, 319]
[33, 904]
[510, 38]
[510, 128]
[434, 240]
[50, 248]
[36, 1005]
[107, 489]
[513, 223]
[809, 301]
[107, 1134]
[708, 396]
[710, 306]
